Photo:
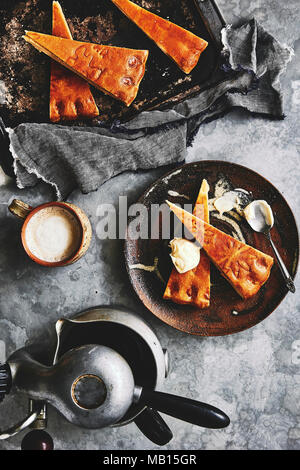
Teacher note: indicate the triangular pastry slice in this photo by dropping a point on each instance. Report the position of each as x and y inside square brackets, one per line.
[246, 268]
[179, 44]
[193, 287]
[116, 71]
[70, 95]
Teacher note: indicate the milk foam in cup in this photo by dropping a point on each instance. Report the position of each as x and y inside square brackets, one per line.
[53, 234]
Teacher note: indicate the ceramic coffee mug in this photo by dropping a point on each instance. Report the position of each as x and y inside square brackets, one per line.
[53, 234]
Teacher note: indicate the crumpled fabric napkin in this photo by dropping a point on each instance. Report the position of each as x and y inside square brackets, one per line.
[71, 157]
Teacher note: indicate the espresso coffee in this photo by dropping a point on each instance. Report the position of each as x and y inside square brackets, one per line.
[53, 234]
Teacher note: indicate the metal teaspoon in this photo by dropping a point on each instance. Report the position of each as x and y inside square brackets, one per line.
[259, 216]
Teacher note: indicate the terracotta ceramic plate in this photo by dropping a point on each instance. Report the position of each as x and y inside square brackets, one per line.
[228, 313]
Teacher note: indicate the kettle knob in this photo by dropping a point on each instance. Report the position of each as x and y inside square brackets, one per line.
[5, 380]
[37, 440]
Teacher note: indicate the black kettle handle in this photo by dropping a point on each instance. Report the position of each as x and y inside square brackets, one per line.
[192, 411]
[152, 425]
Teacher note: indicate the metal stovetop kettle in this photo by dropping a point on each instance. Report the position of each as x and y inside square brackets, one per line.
[94, 385]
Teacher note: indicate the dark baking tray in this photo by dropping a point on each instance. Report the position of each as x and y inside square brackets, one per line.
[24, 73]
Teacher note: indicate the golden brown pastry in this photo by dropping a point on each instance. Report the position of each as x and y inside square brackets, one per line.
[193, 287]
[246, 268]
[179, 44]
[70, 95]
[116, 71]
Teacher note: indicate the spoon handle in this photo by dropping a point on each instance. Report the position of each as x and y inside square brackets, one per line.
[286, 275]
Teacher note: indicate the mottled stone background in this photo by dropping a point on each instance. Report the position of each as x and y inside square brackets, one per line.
[254, 376]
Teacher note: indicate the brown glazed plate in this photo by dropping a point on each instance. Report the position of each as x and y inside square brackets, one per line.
[228, 313]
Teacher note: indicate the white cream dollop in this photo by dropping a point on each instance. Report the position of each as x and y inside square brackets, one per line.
[185, 254]
[227, 202]
[258, 213]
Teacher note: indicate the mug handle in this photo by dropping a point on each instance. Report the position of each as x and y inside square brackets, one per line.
[19, 208]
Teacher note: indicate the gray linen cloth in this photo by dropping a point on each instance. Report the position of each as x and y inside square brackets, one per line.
[71, 157]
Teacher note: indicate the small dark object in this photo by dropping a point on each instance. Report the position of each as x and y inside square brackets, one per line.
[37, 440]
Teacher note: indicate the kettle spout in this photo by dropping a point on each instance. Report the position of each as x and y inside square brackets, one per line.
[61, 326]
